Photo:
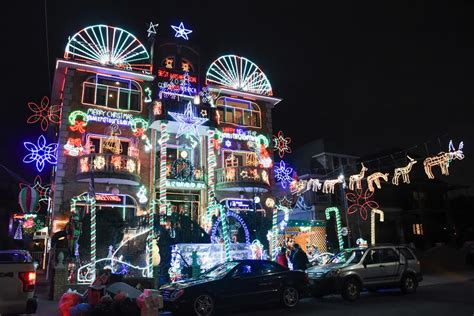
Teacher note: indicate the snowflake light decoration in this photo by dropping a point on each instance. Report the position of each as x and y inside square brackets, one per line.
[41, 153]
[280, 143]
[188, 122]
[181, 31]
[283, 174]
[361, 202]
[44, 113]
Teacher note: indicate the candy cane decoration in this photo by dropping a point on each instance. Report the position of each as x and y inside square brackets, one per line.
[163, 143]
[274, 233]
[338, 224]
[372, 224]
[211, 163]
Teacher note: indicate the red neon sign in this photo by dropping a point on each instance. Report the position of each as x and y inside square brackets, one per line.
[108, 197]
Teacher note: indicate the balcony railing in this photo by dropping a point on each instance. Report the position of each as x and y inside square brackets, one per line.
[109, 166]
[243, 176]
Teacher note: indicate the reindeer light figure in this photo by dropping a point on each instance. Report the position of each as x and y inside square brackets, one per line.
[328, 186]
[404, 172]
[313, 184]
[375, 178]
[357, 179]
[443, 160]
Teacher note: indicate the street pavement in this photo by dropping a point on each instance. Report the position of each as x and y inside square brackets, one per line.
[449, 294]
[433, 299]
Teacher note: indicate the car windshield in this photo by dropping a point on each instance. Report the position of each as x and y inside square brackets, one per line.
[219, 271]
[349, 256]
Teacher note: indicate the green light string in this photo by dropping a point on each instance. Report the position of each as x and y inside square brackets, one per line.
[338, 224]
[211, 164]
[164, 137]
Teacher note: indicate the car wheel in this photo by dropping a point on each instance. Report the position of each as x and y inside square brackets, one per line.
[203, 305]
[408, 284]
[290, 297]
[351, 290]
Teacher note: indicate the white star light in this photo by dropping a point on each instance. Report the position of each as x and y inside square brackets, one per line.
[188, 122]
[152, 29]
[181, 31]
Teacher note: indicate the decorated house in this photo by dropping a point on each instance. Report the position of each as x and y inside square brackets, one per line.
[149, 148]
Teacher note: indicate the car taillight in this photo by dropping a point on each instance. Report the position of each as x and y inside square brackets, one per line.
[28, 279]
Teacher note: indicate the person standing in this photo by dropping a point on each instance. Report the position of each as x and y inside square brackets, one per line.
[300, 259]
[281, 257]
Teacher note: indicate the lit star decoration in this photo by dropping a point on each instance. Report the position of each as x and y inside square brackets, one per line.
[41, 153]
[152, 29]
[188, 122]
[181, 31]
[280, 142]
[283, 174]
[44, 113]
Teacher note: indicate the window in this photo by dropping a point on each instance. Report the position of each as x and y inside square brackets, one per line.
[389, 255]
[373, 256]
[418, 229]
[238, 112]
[113, 93]
[406, 253]
[99, 141]
[269, 267]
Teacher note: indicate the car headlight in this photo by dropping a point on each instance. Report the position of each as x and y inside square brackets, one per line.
[333, 273]
[177, 294]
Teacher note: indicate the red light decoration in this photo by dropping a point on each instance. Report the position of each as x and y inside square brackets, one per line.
[44, 113]
[280, 143]
[78, 127]
[361, 202]
[44, 191]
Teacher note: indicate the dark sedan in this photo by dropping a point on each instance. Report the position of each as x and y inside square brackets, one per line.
[234, 284]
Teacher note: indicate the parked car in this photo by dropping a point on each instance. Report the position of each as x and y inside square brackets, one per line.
[234, 284]
[373, 268]
[17, 283]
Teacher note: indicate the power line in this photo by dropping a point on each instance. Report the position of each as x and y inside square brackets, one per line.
[47, 43]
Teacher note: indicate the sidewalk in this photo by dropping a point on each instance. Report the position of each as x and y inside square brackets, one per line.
[447, 277]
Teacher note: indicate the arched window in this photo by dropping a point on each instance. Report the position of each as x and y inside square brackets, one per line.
[113, 93]
[238, 112]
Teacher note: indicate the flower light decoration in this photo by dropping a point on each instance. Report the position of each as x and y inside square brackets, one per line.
[362, 203]
[283, 174]
[443, 160]
[44, 191]
[41, 153]
[404, 172]
[280, 144]
[44, 113]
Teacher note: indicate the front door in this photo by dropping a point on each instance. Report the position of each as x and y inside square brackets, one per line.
[373, 271]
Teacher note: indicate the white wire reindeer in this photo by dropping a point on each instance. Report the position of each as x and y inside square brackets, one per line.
[443, 160]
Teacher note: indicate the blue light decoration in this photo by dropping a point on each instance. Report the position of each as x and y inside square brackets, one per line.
[228, 143]
[188, 122]
[181, 31]
[41, 153]
[283, 174]
[301, 204]
[238, 218]
[152, 29]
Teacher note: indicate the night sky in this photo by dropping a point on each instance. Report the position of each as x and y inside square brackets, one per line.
[370, 75]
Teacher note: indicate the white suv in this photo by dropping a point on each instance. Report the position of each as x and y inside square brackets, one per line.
[17, 283]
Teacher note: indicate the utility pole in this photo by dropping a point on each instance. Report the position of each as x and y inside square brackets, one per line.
[344, 203]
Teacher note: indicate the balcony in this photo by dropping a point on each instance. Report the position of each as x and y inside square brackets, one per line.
[109, 168]
[242, 179]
